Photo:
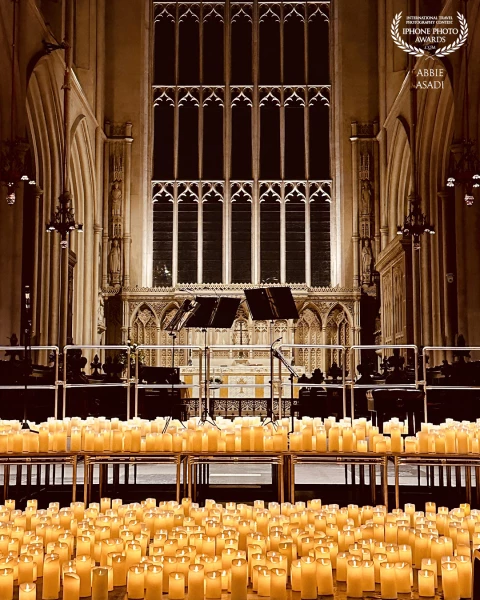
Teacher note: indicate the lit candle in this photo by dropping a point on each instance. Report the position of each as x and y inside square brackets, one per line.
[308, 577]
[6, 584]
[368, 576]
[153, 582]
[25, 568]
[51, 577]
[324, 577]
[136, 582]
[354, 579]
[213, 585]
[426, 584]
[27, 591]
[403, 577]
[100, 583]
[450, 583]
[239, 579]
[264, 582]
[430, 564]
[196, 580]
[464, 569]
[176, 589]
[388, 586]
[71, 586]
[83, 566]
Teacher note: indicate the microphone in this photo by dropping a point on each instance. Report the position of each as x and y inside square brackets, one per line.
[278, 340]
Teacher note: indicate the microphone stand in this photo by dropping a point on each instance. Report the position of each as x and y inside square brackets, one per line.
[28, 355]
[293, 374]
[269, 418]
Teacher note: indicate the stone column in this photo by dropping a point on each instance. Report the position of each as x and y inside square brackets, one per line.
[447, 274]
[308, 245]
[355, 236]
[105, 249]
[127, 238]
[283, 238]
[175, 236]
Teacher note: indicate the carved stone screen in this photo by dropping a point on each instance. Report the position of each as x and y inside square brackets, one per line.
[241, 150]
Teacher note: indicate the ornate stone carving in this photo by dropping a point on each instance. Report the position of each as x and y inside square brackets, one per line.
[114, 263]
[367, 262]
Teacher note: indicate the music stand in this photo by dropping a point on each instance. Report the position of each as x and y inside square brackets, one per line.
[271, 304]
[211, 313]
[176, 324]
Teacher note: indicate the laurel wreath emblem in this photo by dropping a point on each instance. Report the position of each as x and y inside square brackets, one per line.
[439, 52]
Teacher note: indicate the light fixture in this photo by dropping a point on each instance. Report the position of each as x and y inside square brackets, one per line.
[12, 151]
[466, 171]
[63, 219]
[416, 223]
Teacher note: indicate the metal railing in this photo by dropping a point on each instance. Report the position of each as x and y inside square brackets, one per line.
[29, 386]
[353, 360]
[171, 386]
[125, 384]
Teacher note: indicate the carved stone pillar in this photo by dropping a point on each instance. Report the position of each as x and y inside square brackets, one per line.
[116, 226]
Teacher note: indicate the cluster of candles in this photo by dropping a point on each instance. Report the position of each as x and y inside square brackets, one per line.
[242, 434]
[177, 548]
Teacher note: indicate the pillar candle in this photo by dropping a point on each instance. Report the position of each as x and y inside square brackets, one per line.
[71, 586]
[403, 577]
[388, 586]
[51, 577]
[263, 587]
[6, 584]
[25, 568]
[136, 582]
[450, 583]
[176, 586]
[464, 569]
[83, 566]
[153, 582]
[119, 569]
[354, 579]
[342, 559]
[378, 560]
[100, 583]
[309, 581]
[239, 579]
[324, 577]
[213, 585]
[426, 584]
[196, 580]
[27, 591]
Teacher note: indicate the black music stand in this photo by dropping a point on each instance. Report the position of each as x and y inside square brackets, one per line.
[176, 324]
[271, 304]
[211, 312]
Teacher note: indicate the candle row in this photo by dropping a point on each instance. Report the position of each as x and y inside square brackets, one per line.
[240, 435]
[176, 546]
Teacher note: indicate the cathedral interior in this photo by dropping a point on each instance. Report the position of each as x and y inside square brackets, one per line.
[298, 179]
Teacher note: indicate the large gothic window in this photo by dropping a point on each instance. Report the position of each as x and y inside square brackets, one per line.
[241, 150]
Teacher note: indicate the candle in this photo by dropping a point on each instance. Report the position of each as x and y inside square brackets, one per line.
[100, 583]
[430, 564]
[403, 577]
[354, 579]
[450, 583]
[239, 579]
[27, 591]
[83, 566]
[196, 579]
[153, 582]
[308, 584]
[176, 586]
[51, 577]
[71, 586]
[264, 582]
[25, 568]
[388, 586]
[368, 576]
[426, 583]
[136, 582]
[324, 577]
[213, 585]
[6, 584]
[464, 569]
